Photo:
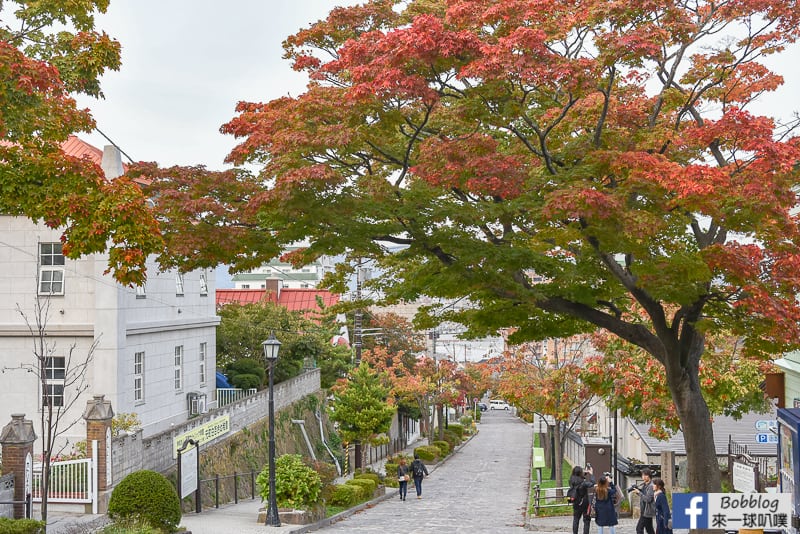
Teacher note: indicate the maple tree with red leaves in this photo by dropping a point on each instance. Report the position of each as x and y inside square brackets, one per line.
[50, 50]
[549, 385]
[558, 163]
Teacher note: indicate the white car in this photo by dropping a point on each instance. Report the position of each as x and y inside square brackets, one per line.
[498, 404]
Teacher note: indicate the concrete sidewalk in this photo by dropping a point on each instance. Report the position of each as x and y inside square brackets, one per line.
[242, 518]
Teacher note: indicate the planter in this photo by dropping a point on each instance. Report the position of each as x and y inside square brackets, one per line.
[294, 517]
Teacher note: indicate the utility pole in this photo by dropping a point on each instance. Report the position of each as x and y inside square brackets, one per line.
[357, 331]
[361, 275]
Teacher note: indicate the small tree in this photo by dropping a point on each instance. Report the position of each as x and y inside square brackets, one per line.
[61, 385]
[360, 407]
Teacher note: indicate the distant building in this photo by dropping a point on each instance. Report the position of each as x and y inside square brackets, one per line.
[155, 345]
[306, 277]
[272, 290]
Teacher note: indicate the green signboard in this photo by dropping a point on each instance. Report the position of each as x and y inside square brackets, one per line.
[538, 457]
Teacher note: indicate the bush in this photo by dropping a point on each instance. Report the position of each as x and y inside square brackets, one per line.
[21, 526]
[326, 470]
[375, 477]
[457, 429]
[443, 446]
[450, 436]
[296, 484]
[148, 497]
[346, 495]
[427, 453]
[467, 423]
[368, 485]
[246, 368]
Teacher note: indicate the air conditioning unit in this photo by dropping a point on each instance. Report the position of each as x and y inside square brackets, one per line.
[197, 403]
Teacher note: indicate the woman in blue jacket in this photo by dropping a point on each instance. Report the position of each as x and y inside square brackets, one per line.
[663, 514]
[606, 512]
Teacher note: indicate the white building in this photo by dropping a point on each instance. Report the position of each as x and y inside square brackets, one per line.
[154, 345]
[305, 277]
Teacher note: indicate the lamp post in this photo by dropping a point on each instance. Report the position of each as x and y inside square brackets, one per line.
[271, 348]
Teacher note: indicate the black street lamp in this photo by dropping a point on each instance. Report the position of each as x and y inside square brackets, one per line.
[271, 348]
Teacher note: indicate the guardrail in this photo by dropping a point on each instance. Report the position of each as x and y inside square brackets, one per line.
[227, 396]
[549, 498]
[212, 486]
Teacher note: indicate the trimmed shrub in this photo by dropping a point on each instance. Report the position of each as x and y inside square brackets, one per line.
[296, 484]
[146, 496]
[346, 495]
[375, 477]
[427, 453]
[457, 429]
[450, 437]
[443, 446]
[366, 483]
[21, 526]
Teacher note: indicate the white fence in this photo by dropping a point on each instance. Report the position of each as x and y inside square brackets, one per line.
[73, 481]
[227, 396]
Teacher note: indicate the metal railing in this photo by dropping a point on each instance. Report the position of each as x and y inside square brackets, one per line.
[550, 498]
[27, 503]
[70, 481]
[244, 486]
[227, 396]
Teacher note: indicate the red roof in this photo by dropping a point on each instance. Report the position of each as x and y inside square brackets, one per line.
[291, 299]
[77, 148]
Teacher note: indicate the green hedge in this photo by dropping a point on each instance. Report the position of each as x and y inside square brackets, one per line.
[366, 483]
[443, 446]
[427, 453]
[21, 526]
[457, 429]
[346, 495]
[375, 477]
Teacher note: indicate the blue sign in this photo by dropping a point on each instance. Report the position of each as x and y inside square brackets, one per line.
[762, 425]
[766, 437]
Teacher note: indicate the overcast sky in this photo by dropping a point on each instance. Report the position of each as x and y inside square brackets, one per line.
[186, 63]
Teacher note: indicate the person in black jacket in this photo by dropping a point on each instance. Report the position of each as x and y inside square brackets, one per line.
[582, 480]
[418, 471]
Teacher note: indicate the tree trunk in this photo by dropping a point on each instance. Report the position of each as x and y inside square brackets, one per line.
[440, 416]
[559, 455]
[703, 473]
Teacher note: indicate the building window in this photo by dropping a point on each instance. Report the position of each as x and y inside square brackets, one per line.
[203, 350]
[141, 291]
[179, 284]
[138, 377]
[247, 286]
[53, 388]
[51, 269]
[178, 368]
[203, 282]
